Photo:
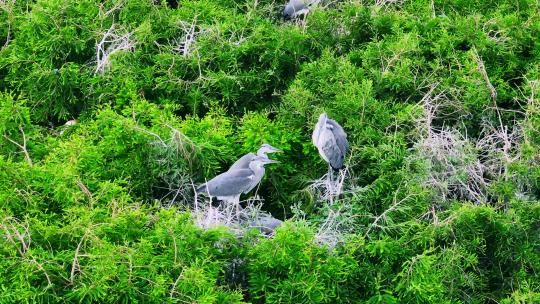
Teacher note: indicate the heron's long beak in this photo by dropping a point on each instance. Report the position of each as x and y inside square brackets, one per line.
[274, 149]
[271, 161]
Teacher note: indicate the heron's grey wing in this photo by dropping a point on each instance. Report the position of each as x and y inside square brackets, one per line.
[230, 183]
[242, 162]
[340, 136]
[331, 149]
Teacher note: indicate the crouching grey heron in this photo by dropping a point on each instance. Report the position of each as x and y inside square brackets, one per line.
[331, 141]
[295, 8]
[266, 224]
[230, 185]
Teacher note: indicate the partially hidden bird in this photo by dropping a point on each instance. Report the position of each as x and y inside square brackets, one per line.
[331, 141]
[295, 8]
[266, 224]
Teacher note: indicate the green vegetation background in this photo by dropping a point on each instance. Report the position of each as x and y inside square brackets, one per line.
[440, 99]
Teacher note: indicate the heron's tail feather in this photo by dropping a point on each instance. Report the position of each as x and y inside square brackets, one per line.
[337, 164]
[337, 168]
[201, 189]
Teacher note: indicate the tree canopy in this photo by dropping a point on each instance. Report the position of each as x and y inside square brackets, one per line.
[111, 112]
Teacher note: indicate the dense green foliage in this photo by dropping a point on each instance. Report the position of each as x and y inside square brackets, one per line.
[440, 100]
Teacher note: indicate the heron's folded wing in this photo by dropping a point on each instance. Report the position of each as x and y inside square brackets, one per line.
[242, 162]
[340, 136]
[230, 183]
[333, 153]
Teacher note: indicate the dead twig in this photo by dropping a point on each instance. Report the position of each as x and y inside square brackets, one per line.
[117, 6]
[183, 44]
[86, 192]
[483, 72]
[75, 265]
[12, 233]
[23, 148]
[111, 42]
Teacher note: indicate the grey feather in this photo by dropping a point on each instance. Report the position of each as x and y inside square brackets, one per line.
[243, 162]
[266, 224]
[340, 137]
[331, 141]
[332, 153]
[230, 183]
[294, 8]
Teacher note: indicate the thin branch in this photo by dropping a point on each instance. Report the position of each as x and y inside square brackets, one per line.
[171, 294]
[20, 237]
[483, 72]
[24, 245]
[8, 8]
[22, 147]
[385, 213]
[10, 238]
[171, 233]
[75, 264]
[110, 43]
[40, 267]
[183, 44]
[117, 6]
[86, 192]
[162, 142]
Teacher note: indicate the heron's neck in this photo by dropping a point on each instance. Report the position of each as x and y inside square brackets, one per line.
[256, 168]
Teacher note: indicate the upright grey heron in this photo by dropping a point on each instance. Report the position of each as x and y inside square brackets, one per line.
[230, 185]
[331, 141]
[243, 162]
[295, 8]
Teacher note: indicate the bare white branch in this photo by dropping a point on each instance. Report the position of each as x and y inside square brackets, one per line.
[112, 41]
[457, 167]
[185, 44]
[452, 168]
[388, 2]
[335, 227]
[239, 220]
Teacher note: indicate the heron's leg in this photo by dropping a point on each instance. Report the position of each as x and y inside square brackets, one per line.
[237, 203]
[330, 177]
[226, 210]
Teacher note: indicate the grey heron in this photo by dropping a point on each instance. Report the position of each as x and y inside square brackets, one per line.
[331, 141]
[228, 186]
[266, 224]
[294, 9]
[243, 162]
